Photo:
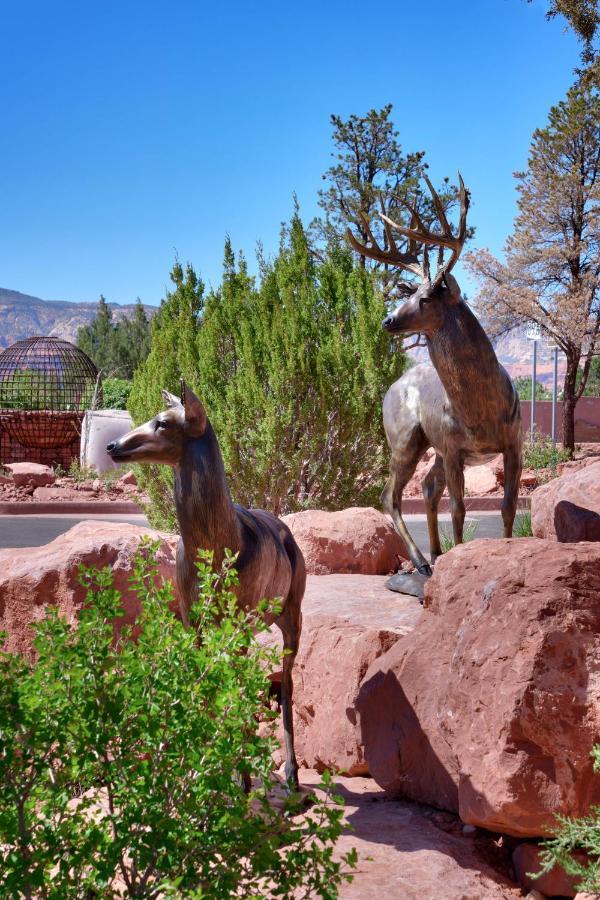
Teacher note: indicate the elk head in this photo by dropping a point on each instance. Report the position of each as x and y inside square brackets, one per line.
[162, 439]
[425, 310]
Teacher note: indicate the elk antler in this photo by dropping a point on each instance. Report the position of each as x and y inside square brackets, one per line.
[392, 257]
[418, 234]
[423, 236]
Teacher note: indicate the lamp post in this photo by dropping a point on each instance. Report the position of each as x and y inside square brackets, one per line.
[533, 333]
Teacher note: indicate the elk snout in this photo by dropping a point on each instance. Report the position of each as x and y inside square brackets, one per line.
[388, 323]
[110, 448]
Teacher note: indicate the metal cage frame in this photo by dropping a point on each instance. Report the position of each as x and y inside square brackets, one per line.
[46, 384]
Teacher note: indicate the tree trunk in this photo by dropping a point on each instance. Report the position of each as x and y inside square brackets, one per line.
[569, 404]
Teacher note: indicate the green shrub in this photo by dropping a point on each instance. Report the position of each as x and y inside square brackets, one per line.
[115, 393]
[575, 837]
[292, 370]
[540, 453]
[522, 524]
[121, 761]
[447, 534]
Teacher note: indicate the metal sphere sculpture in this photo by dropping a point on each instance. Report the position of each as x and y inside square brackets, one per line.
[45, 386]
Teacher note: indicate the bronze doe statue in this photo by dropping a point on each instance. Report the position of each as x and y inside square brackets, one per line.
[464, 405]
[269, 563]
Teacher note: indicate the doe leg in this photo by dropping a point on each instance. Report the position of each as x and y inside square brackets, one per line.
[512, 480]
[433, 488]
[291, 638]
[391, 500]
[455, 480]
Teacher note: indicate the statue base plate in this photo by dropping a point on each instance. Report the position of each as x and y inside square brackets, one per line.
[403, 583]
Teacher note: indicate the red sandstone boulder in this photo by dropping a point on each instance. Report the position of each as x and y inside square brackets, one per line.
[128, 479]
[555, 883]
[490, 707]
[33, 577]
[568, 508]
[481, 480]
[359, 540]
[347, 622]
[30, 474]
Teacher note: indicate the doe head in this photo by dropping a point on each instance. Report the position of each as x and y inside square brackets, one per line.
[163, 438]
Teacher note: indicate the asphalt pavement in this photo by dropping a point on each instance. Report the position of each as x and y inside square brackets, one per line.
[33, 531]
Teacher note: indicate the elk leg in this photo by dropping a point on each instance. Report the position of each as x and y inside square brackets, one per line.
[433, 488]
[391, 501]
[512, 479]
[291, 637]
[455, 479]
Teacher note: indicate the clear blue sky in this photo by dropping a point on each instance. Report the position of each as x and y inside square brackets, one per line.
[132, 130]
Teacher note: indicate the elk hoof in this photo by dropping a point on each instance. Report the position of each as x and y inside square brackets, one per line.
[425, 570]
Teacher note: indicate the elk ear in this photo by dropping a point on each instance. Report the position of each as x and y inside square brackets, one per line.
[195, 414]
[452, 289]
[170, 399]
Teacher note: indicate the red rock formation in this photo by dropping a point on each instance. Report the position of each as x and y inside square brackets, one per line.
[33, 577]
[568, 508]
[347, 622]
[30, 474]
[359, 540]
[491, 705]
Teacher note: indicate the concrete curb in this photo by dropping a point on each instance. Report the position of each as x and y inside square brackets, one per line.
[410, 505]
[71, 507]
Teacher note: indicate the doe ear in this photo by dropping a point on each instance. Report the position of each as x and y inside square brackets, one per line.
[195, 414]
[170, 399]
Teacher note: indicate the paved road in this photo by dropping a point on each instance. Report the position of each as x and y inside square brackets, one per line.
[33, 531]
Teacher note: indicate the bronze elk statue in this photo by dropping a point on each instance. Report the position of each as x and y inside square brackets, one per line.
[269, 562]
[464, 404]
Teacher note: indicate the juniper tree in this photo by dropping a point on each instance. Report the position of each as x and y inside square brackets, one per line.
[292, 371]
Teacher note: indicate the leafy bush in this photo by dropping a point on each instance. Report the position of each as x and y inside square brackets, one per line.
[540, 453]
[122, 761]
[447, 534]
[574, 838]
[115, 393]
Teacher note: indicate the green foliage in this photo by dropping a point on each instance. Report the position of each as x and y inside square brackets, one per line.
[522, 524]
[116, 348]
[35, 389]
[292, 372]
[592, 385]
[523, 385]
[574, 838]
[121, 762]
[540, 453]
[447, 535]
[115, 393]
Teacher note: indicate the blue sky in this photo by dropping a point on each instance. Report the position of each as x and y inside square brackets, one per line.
[132, 131]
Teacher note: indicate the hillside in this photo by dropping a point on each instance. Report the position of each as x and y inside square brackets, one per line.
[23, 316]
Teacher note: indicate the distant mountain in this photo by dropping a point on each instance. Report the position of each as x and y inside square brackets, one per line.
[23, 316]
